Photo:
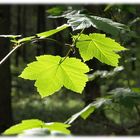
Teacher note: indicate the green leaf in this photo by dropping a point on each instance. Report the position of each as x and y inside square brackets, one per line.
[108, 7]
[35, 123]
[59, 127]
[44, 34]
[51, 32]
[124, 93]
[137, 90]
[99, 46]
[26, 39]
[24, 125]
[80, 21]
[125, 96]
[56, 11]
[105, 73]
[85, 113]
[51, 75]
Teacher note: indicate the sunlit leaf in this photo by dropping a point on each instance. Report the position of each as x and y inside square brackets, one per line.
[44, 34]
[58, 127]
[35, 123]
[26, 39]
[50, 74]
[99, 46]
[24, 125]
[51, 32]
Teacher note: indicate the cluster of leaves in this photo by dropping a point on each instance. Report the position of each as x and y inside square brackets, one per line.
[51, 73]
[122, 96]
[78, 20]
[39, 35]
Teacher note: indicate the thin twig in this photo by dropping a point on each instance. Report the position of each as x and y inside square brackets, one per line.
[7, 56]
[75, 41]
[71, 46]
[38, 39]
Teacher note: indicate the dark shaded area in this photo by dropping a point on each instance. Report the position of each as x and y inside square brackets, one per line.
[5, 73]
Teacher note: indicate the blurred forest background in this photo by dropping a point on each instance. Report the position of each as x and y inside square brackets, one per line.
[19, 99]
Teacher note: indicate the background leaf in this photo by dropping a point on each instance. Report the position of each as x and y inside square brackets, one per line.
[81, 21]
[85, 113]
[57, 10]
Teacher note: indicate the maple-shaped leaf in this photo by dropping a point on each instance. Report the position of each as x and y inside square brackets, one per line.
[24, 125]
[78, 21]
[31, 124]
[51, 75]
[81, 21]
[99, 46]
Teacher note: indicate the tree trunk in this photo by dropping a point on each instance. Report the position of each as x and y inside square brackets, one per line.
[41, 25]
[18, 52]
[5, 75]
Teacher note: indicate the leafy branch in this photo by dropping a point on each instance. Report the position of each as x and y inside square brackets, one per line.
[51, 73]
[31, 39]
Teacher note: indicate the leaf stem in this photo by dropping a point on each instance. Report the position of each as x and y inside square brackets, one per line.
[75, 41]
[71, 46]
[38, 39]
[62, 60]
[16, 47]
